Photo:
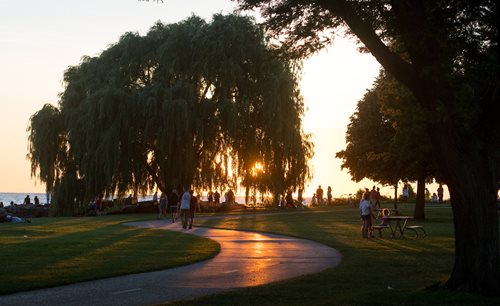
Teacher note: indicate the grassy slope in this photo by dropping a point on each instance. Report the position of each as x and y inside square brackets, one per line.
[56, 251]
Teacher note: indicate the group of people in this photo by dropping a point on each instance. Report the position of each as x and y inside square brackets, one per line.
[318, 198]
[370, 200]
[437, 197]
[182, 204]
[213, 198]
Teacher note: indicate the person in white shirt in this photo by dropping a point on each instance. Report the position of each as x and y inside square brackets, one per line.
[185, 205]
[366, 215]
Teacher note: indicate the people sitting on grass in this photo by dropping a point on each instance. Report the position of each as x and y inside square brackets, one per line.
[7, 217]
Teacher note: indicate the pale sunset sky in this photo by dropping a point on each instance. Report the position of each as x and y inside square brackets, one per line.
[40, 39]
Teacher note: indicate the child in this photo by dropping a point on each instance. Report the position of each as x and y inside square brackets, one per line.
[385, 215]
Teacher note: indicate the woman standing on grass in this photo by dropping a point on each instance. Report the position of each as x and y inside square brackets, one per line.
[366, 215]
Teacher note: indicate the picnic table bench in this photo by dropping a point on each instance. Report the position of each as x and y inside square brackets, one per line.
[398, 225]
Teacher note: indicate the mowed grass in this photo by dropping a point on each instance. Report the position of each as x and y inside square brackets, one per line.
[57, 251]
[376, 271]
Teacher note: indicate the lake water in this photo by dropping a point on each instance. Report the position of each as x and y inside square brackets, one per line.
[18, 198]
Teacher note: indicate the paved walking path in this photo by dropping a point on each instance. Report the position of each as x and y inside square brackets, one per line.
[246, 259]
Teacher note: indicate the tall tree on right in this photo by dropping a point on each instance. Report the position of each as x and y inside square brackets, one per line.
[451, 66]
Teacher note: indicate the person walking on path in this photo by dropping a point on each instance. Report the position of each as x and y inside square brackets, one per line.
[185, 207]
[192, 208]
[366, 215]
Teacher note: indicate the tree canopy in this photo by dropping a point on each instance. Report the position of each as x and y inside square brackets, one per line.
[189, 104]
[386, 139]
[447, 54]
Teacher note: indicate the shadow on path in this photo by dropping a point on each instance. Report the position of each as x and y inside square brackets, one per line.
[246, 259]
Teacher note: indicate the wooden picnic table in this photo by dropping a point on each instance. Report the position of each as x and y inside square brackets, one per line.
[398, 224]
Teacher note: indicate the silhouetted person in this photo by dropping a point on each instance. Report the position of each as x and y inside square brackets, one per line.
[440, 193]
[329, 195]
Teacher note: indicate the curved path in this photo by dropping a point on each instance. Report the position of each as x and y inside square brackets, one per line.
[246, 259]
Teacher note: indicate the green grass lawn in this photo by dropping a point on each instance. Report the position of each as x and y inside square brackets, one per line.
[373, 271]
[56, 251]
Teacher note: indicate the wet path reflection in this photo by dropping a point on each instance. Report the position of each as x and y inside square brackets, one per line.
[251, 259]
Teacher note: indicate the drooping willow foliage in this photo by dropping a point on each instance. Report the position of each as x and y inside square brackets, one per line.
[190, 104]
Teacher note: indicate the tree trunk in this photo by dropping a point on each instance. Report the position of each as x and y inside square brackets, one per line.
[419, 212]
[247, 194]
[473, 188]
[475, 217]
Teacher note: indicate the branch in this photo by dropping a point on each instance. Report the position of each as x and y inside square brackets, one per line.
[391, 61]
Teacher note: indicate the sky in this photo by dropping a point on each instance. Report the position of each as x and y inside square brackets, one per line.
[39, 40]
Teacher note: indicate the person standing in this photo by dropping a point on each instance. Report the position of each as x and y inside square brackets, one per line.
[210, 198]
[173, 198]
[373, 197]
[377, 200]
[162, 206]
[406, 192]
[329, 195]
[155, 198]
[319, 195]
[98, 204]
[366, 215]
[440, 193]
[192, 208]
[185, 207]
[216, 198]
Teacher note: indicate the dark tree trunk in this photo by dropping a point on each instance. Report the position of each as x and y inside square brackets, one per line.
[473, 188]
[247, 194]
[419, 212]
[475, 217]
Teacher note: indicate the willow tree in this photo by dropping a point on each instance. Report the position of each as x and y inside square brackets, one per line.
[452, 68]
[189, 104]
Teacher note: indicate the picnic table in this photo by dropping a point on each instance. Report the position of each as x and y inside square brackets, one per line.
[398, 225]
